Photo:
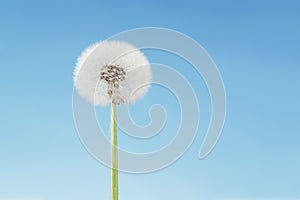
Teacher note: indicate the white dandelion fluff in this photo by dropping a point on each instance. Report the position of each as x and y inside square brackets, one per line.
[112, 72]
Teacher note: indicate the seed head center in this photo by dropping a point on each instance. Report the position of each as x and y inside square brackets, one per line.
[112, 75]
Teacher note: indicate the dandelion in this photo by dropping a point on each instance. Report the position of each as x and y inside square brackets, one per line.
[112, 72]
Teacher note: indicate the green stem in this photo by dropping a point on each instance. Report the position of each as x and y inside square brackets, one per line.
[113, 152]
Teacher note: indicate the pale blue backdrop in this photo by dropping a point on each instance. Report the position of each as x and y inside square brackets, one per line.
[256, 47]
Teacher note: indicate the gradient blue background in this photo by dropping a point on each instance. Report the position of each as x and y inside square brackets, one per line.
[256, 47]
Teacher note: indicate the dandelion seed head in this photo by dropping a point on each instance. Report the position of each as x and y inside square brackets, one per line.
[112, 71]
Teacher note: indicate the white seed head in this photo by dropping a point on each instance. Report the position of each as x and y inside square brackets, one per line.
[112, 71]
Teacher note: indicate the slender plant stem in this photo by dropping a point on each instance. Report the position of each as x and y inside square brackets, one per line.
[114, 152]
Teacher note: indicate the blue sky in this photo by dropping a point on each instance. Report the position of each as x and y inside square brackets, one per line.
[255, 45]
